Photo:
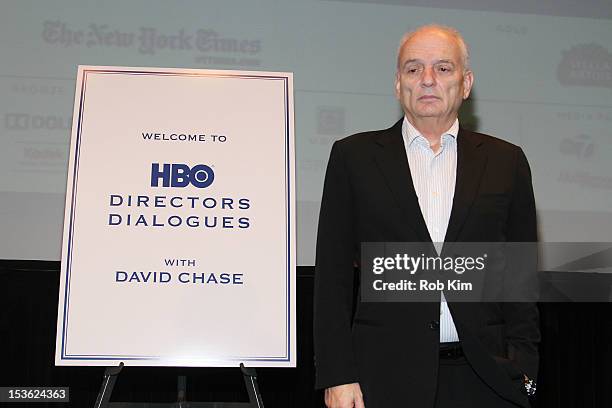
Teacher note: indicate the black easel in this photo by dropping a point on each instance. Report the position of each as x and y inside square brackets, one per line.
[110, 377]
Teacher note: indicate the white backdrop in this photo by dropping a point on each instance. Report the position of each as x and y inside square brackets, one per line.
[543, 80]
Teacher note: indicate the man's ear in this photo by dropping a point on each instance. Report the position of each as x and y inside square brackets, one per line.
[468, 81]
[398, 85]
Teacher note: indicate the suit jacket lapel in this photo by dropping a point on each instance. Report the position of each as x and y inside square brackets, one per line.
[471, 163]
[390, 155]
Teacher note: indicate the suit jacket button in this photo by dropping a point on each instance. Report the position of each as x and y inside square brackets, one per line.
[433, 325]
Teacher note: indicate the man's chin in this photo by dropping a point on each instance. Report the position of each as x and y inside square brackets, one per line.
[430, 107]
[428, 113]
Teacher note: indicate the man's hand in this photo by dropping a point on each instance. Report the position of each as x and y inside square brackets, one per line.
[344, 396]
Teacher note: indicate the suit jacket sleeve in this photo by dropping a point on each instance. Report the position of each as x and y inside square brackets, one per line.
[334, 278]
[522, 318]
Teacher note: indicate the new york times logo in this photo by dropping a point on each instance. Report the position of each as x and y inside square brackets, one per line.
[181, 175]
[148, 40]
[412, 265]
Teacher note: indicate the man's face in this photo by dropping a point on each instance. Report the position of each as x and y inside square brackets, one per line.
[431, 81]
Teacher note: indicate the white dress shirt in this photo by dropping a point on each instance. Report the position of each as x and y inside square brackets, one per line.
[434, 176]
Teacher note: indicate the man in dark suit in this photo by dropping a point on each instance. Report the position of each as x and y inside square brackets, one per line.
[424, 179]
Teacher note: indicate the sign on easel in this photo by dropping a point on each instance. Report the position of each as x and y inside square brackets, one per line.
[179, 231]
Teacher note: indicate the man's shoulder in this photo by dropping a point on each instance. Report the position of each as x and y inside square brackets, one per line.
[492, 143]
[365, 140]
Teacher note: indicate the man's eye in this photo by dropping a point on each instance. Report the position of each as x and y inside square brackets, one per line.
[444, 69]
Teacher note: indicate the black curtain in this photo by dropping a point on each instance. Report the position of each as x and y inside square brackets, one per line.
[575, 371]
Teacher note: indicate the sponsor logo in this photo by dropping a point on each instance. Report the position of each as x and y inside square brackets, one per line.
[580, 146]
[586, 65]
[330, 125]
[29, 88]
[26, 121]
[210, 45]
[330, 120]
[181, 175]
[585, 179]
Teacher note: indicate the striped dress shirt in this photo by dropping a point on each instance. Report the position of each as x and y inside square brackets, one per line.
[434, 176]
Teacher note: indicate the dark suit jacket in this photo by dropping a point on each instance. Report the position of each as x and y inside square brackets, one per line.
[391, 349]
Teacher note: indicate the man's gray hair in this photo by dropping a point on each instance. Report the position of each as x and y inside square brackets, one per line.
[453, 32]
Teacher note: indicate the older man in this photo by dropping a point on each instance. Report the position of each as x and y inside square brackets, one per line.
[425, 179]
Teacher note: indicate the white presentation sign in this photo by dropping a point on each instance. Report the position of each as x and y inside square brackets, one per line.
[179, 232]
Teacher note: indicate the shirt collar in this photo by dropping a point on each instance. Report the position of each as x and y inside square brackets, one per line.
[410, 133]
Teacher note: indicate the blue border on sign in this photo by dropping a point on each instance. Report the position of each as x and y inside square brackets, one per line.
[73, 204]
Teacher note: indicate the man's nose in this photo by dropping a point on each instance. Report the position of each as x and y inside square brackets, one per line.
[429, 77]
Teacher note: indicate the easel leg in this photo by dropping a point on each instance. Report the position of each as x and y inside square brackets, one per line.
[250, 380]
[182, 391]
[108, 383]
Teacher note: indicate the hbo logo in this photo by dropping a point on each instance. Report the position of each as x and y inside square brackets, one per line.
[181, 175]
